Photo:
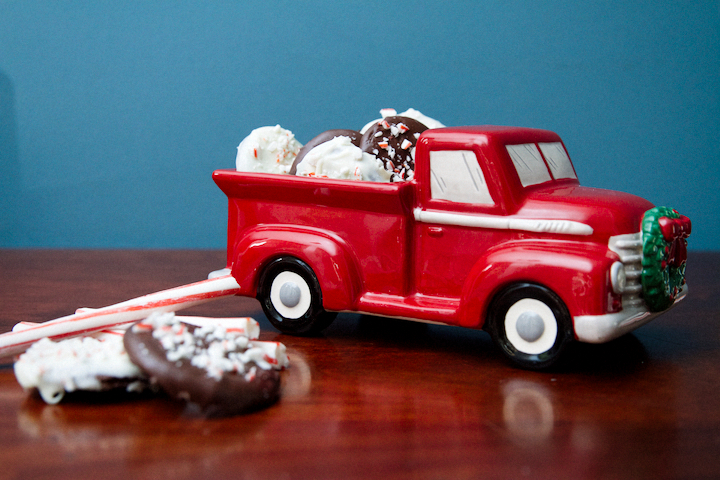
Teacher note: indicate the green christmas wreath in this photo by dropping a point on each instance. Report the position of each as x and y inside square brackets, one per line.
[664, 234]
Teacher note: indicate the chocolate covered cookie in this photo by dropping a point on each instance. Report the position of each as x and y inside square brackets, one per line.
[322, 138]
[221, 371]
[392, 140]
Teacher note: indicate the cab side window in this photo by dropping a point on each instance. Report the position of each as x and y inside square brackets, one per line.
[455, 175]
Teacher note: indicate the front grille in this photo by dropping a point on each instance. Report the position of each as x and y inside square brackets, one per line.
[629, 249]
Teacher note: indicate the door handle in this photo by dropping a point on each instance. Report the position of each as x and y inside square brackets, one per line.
[435, 231]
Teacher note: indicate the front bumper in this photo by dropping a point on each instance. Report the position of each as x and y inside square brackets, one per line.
[603, 328]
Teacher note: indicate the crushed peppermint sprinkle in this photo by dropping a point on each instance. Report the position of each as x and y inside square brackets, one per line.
[213, 348]
[406, 144]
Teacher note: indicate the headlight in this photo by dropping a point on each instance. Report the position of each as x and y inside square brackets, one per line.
[618, 278]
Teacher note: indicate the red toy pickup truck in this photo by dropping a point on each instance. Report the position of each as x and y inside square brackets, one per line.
[494, 232]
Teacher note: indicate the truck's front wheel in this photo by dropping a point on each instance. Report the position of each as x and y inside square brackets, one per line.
[290, 295]
[530, 324]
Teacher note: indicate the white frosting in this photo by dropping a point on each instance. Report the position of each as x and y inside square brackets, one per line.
[214, 348]
[74, 364]
[267, 150]
[340, 159]
[424, 119]
[411, 113]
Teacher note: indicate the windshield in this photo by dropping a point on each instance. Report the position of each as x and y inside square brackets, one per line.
[531, 165]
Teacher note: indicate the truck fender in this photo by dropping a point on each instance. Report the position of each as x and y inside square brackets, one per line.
[576, 272]
[323, 251]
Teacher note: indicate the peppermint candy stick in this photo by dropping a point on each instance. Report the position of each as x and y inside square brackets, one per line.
[246, 326]
[114, 316]
[272, 353]
[242, 325]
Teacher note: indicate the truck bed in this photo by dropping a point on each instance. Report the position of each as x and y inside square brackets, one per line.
[367, 217]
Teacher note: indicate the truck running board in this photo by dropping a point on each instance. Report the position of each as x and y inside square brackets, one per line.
[419, 308]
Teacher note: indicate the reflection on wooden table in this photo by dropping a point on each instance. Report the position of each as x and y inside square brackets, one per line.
[374, 397]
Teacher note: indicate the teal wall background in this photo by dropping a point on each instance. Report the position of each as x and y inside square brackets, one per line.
[113, 115]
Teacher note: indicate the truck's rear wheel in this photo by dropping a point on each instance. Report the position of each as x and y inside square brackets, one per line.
[290, 295]
[530, 324]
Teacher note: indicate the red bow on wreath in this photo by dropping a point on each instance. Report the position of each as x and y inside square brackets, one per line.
[675, 231]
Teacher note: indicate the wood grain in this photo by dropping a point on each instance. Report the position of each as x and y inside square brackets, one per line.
[373, 397]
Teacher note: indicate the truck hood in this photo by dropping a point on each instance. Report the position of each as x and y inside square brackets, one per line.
[608, 212]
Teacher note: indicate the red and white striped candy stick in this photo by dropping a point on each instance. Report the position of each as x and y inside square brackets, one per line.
[240, 325]
[86, 321]
[274, 353]
[243, 325]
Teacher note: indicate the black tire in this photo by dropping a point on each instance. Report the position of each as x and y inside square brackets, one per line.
[291, 299]
[530, 324]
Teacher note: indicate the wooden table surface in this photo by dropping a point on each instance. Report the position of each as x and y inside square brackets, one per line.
[373, 397]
